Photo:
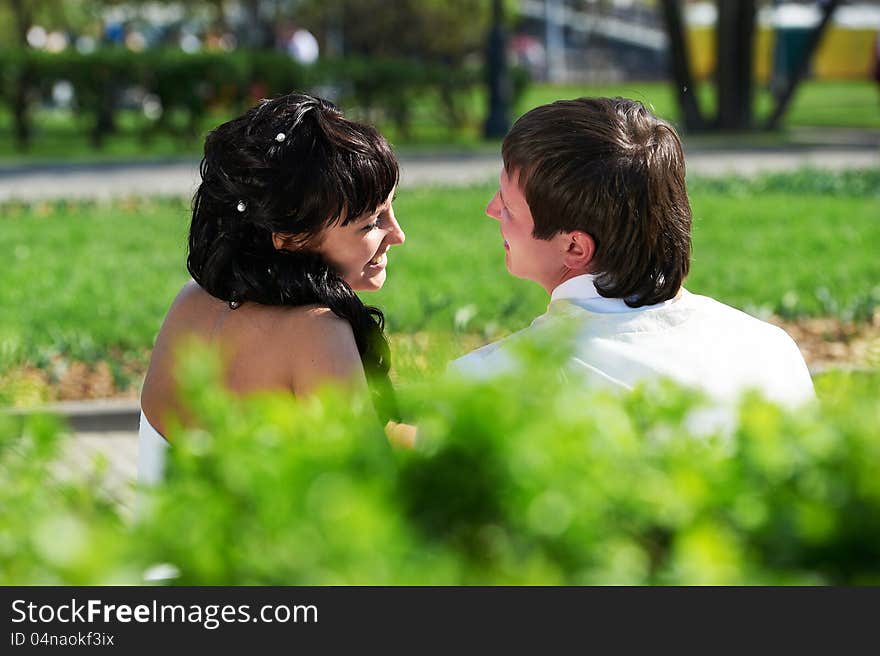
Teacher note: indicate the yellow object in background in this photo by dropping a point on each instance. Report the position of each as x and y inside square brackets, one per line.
[843, 53]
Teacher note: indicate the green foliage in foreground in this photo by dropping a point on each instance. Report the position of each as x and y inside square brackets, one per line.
[511, 483]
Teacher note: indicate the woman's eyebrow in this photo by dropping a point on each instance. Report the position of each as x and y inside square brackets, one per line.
[369, 216]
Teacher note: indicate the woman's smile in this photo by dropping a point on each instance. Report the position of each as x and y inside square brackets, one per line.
[378, 262]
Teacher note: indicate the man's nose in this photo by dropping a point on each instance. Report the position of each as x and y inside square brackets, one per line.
[493, 209]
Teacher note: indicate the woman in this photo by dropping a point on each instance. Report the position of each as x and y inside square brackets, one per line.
[293, 215]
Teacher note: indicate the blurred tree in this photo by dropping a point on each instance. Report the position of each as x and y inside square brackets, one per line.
[18, 16]
[735, 36]
[216, 7]
[23, 14]
[444, 31]
[259, 33]
[498, 77]
[680, 63]
[449, 33]
[734, 79]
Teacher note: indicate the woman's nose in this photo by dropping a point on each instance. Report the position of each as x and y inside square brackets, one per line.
[396, 235]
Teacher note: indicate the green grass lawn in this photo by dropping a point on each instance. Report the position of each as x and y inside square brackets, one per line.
[845, 103]
[61, 136]
[89, 281]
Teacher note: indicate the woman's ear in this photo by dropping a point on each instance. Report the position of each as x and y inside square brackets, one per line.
[580, 251]
[280, 241]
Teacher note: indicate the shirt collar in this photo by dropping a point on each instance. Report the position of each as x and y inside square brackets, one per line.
[581, 291]
[578, 288]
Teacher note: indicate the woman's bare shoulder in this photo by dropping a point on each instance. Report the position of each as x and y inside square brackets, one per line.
[322, 347]
[315, 324]
[192, 297]
[278, 324]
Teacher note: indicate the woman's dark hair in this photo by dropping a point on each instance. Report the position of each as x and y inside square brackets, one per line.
[291, 165]
[610, 168]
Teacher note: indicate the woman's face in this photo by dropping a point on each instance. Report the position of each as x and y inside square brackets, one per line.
[359, 250]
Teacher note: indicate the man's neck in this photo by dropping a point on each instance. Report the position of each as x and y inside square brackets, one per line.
[567, 274]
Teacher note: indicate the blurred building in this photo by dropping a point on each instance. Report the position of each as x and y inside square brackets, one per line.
[594, 40]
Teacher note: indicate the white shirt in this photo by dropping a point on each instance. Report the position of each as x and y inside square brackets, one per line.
[693, 340]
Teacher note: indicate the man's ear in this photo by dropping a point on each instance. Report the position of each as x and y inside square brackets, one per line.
[580, 251]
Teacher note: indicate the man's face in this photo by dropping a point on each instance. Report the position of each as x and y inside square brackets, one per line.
[526, 257]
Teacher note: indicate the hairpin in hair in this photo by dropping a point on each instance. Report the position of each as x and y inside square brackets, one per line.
[241, 207]
[280, 137]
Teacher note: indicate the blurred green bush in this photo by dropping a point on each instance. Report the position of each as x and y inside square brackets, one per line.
[525, 480]
[189, 85]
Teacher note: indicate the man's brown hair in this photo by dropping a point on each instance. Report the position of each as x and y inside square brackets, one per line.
[610, 168]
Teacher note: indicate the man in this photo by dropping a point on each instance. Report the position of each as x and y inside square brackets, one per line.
[593, 207]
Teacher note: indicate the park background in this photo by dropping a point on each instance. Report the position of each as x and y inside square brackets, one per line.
[103, 101]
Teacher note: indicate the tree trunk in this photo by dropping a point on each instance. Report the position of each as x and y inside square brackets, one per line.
[733, 75]
[22, 15]
[105, 118]
[782, 103]
[20, 113]
[681, 70]
[497, 122]
[21, 91]
[220, 12]
[259, 34]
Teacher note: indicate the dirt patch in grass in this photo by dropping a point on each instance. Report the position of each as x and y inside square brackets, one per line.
[829, 343]
[83, 381]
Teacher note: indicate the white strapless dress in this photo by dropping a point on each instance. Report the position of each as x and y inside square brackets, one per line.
[152, 448]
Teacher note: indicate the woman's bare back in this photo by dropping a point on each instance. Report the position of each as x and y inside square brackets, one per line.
[262, 347]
